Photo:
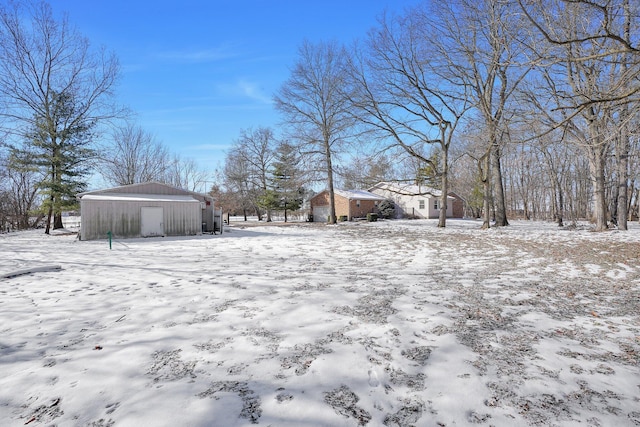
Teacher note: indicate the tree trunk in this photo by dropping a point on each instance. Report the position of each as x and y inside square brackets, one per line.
[637, 209]
[556, 189]
[57, 221]
[442, 219]
[623, 146]
[560, 209]
[498, 188]
[47, 227]
[622, 154]
[332, 198]
[596, 164]
[485, 169]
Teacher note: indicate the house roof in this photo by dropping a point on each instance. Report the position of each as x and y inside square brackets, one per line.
[406, 189]
[358, 195]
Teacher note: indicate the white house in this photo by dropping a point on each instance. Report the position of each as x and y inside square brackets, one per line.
[418, 201]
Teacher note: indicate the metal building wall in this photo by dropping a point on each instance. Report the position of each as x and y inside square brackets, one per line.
[122, 218]
[164, 189]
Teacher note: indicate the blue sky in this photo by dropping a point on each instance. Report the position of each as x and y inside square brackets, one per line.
[198, 72]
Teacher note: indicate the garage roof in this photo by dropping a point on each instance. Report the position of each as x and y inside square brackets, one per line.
[140, 197]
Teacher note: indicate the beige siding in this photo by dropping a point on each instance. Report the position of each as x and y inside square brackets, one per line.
[342, 206]
[122, 218]
[409, 204]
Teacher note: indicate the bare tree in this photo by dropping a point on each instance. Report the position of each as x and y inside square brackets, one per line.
[254, 151]
[133, 156]
[226, 198]
[185, 173]
[395, 90]
[237, 178]
[622, 141]
[22, 195]
[315, 107]
[19, 200]
[54, 90]
[592, 77]
[365, 171]
[555, 157]
[478, 40]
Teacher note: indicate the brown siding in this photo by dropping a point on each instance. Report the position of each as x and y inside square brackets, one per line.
[366, 206]
[320, 199]
[343, 204]
[458, 206]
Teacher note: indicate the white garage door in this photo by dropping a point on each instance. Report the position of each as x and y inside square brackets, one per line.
[152, 221]
[320, 213]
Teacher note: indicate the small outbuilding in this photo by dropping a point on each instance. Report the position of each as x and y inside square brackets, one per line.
[145, 210]
[349, 204]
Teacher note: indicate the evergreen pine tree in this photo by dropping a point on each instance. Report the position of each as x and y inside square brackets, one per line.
[286, 191]
[59, 147]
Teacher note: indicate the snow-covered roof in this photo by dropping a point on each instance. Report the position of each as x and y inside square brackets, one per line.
[146, 188]
[140, 197]
[358, 194]
[407, 189]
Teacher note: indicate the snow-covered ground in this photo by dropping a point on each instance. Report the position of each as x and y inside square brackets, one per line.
[394, 323]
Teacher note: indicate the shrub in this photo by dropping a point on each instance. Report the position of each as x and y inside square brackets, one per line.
[372, 217]
[387, 209]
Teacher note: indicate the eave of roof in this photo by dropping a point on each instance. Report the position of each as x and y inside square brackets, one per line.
[130, 197]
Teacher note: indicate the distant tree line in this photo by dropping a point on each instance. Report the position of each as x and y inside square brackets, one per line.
[525, 109]
[262, 175]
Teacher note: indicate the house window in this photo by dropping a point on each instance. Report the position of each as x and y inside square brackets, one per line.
[358, 203]
[435, 204]
[420, 204]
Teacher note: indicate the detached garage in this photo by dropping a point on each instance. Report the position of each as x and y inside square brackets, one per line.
[144, 210]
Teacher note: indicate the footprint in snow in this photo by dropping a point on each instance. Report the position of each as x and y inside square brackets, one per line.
[373, 378]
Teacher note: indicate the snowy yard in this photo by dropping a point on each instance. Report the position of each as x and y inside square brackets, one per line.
[394, 323]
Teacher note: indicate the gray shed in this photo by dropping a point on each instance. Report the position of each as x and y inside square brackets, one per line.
[144, 210]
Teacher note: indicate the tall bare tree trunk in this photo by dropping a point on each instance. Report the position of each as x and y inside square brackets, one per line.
[332, 197]
[596, 164]
[622, 154]
[623, 146]
[485, 174]
[442, 219]
[498, 188]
